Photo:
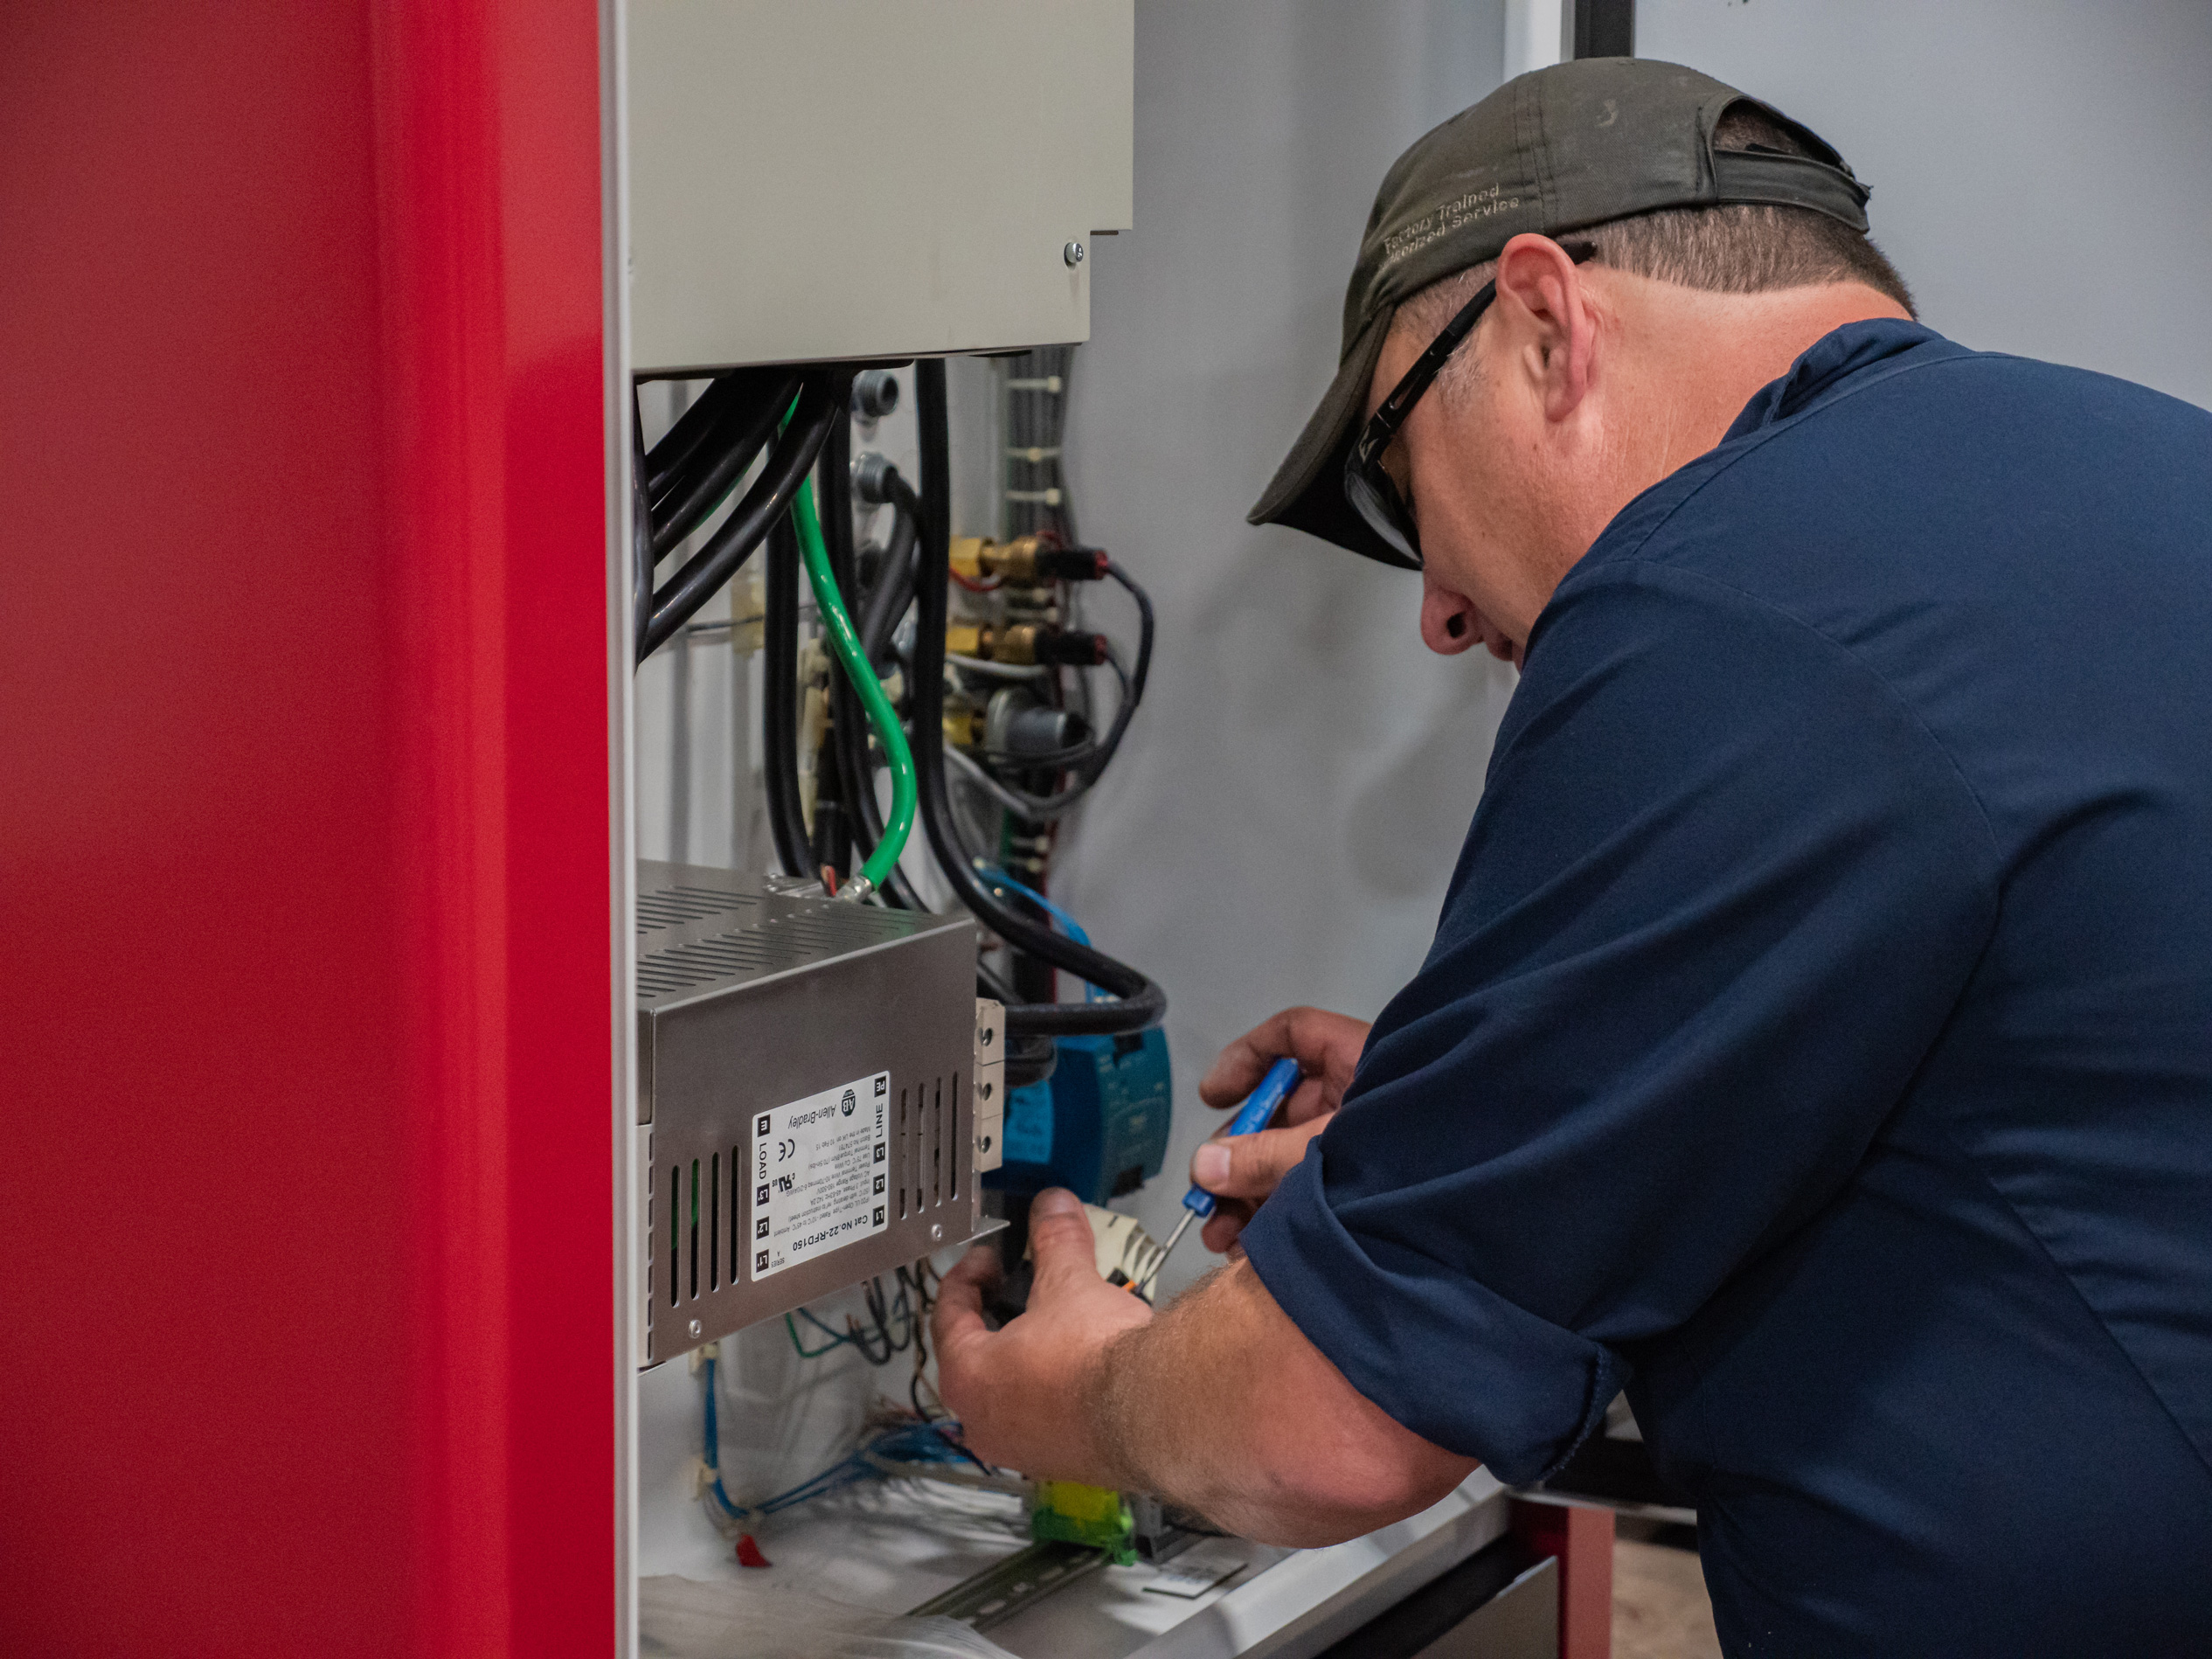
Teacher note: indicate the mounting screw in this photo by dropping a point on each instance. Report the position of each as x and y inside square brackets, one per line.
[1072, 254]
[696, 1328]
[936, 1231]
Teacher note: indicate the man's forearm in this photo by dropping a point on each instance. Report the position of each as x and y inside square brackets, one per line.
[1222, 1404]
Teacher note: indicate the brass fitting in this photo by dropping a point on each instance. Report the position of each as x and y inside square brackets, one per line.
[1027, 561]
[964, 724]
[1024, 645]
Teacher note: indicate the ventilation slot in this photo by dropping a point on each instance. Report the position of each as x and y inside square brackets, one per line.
[673, 906]
[842, 927]
[714, 1223]
[737, 1237]
[953, 1175]
[708, 960]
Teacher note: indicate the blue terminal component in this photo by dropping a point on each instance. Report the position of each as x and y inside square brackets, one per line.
[1098, 1126]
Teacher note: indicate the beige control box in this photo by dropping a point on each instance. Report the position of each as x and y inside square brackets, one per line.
[839, 179]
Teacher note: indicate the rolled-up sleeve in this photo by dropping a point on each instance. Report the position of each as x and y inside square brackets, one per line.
[1720, 897]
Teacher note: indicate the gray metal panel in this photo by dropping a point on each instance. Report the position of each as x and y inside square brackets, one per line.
[813, 179]
[1521, 1621]
[803, 994]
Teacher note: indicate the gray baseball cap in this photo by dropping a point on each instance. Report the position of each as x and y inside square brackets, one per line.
[1554, 150]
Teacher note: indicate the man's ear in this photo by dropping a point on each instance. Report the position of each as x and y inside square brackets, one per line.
[1548, 322]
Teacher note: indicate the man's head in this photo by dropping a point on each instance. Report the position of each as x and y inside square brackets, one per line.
[1707, 241]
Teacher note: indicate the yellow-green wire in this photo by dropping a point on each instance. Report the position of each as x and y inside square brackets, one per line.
[845, 641]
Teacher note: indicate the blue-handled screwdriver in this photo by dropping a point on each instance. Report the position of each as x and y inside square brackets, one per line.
[1258, 1111]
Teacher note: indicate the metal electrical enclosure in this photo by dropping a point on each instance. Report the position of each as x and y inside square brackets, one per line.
[806, 1075]
[821, 179]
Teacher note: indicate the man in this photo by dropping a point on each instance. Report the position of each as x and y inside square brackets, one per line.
[1817, 1040]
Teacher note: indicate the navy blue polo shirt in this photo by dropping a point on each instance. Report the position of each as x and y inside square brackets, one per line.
[1818, 1036]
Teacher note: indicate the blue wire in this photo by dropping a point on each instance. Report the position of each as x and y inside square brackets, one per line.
[1068, 924]
[914, 1443]
[835, 1337]
[712, 1456]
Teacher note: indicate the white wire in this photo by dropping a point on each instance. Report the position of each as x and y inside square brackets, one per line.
[993, 788]
[998, 670]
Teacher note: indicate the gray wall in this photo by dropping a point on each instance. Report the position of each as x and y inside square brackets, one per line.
[1280, 824]
[2041, 169]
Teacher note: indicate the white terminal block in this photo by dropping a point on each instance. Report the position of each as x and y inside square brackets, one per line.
[990, 1084]
[842, 179]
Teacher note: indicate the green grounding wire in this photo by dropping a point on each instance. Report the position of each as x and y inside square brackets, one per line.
[845, 641]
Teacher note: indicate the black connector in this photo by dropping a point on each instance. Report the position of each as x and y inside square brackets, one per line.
[1063, 648]
[1073, 564]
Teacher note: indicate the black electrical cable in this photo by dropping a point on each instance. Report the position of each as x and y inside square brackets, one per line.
[741, 388]
[848, 724]
[1041, 808]
[1134, 683]
[821, 402]
[1140, 1002]
[779, 702]
[640, 533]
[894, 589]
[1038, 810]
[1030, 1058]
[724, 453]
[729, 450]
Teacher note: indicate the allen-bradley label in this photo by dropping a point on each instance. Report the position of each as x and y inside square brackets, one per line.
[819, 1172]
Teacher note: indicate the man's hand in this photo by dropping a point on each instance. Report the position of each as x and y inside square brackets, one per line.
[1220, 1403]
[1019, 1391]
[1243, 1170]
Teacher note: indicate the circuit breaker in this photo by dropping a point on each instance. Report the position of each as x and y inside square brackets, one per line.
[816, 1096]
[846, 179]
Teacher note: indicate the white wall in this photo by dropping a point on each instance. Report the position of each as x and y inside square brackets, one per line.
[2041, 169]
[1280, 824]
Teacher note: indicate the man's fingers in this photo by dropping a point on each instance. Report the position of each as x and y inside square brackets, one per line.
[960, 1298]
[1314, 1097]
[1061, 1243]
[1252, 1166]
[1223, 1226]
[1327, 1046]
[1237, 1070]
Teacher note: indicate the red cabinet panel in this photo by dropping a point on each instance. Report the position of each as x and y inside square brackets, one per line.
[307, 1270]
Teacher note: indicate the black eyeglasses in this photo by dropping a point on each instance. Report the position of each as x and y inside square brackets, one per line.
[1367, 484]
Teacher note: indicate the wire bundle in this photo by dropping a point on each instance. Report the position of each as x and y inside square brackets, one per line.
[909, 1445]
[774, 425]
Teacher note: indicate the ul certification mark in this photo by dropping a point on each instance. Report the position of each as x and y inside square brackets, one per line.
[815, 1181]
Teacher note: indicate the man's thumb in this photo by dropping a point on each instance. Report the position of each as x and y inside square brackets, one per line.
[1060, 1236]
[1251, 1166]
